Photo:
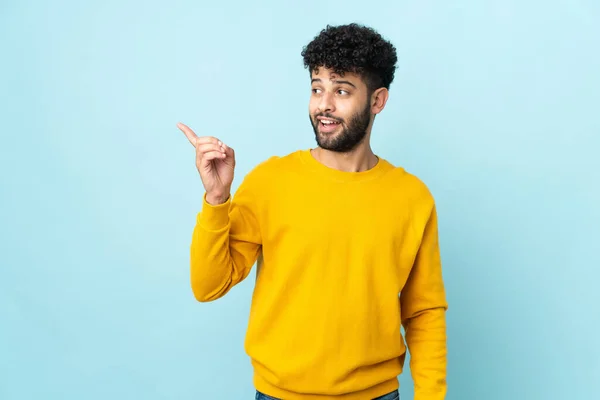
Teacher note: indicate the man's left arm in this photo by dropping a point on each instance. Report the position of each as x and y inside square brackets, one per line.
[423, 307]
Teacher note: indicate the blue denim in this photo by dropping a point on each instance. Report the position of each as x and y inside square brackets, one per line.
[395, 395]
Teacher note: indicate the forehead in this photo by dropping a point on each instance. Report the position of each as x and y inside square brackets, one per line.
[326, 74]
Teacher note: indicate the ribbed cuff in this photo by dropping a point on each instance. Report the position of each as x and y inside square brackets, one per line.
[214, 217]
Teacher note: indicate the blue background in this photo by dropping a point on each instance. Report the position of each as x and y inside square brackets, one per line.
[495, 106]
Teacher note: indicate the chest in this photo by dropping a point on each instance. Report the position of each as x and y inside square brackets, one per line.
[344, 218]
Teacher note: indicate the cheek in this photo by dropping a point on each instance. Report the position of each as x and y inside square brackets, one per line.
[344, 111]
[312, 106]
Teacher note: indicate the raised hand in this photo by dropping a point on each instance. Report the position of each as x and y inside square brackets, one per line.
[216, 164]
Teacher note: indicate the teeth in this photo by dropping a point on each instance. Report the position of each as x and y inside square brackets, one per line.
[328, 122]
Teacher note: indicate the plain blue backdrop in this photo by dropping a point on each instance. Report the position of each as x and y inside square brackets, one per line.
[495, 106]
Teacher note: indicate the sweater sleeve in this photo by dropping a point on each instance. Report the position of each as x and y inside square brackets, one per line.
[423, 303]
[226, 242]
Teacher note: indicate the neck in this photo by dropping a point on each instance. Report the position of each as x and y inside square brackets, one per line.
[361, 158]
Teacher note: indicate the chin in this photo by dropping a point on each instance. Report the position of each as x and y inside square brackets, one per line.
[328, 145]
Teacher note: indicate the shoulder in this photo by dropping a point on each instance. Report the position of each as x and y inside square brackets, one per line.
[272, 167]
[408, 184]
[274, 163]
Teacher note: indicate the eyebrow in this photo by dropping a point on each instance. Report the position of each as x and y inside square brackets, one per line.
[335, 81]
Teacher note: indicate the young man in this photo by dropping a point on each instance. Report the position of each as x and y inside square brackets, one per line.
[346, 243]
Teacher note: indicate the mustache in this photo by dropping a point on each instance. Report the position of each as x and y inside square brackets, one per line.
[326, 115]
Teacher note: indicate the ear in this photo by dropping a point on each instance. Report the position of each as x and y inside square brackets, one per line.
[379, 99]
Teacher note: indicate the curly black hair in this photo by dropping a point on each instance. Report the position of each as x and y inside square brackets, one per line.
[353, 48]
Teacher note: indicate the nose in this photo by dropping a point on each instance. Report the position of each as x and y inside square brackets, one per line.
[326, 103]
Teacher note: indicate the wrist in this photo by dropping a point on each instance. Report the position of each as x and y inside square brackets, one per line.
[216, 199]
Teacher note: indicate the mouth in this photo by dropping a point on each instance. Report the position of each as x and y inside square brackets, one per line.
[327, 124]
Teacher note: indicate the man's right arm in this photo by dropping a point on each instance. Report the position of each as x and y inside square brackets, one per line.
[226, 242]
[226, 239]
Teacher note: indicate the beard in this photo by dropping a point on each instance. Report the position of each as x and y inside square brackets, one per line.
[351, 135]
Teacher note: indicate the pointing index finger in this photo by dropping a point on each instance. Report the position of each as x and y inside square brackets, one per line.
[188, 133]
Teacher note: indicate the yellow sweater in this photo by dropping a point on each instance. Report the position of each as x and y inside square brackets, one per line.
[343, 260]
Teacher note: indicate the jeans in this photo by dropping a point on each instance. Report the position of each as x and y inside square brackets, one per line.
[395, 395]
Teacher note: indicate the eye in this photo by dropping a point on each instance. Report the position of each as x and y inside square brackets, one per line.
[316, 91]
[343, 92]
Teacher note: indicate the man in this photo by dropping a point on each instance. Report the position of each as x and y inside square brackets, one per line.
[346, 243]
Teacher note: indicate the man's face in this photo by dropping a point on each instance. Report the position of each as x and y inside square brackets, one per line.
[339, 110]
